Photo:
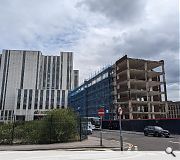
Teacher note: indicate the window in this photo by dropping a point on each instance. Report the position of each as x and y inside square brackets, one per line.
[25, 99]
[36, 100]
[53, 72]
[47, 99]
[30, 99]
[44, 71]
[58, 99]
[57, 72]
[41, 100]
[19, 99]
[52, 99]
[63, 98]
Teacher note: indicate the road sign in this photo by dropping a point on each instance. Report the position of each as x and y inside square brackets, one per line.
[101, 112]
[120, 111]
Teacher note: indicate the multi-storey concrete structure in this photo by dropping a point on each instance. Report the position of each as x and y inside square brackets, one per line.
[31, 83]
[137, 85]
[141, 88]
[173, 109]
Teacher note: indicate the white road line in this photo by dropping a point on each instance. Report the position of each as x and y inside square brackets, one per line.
[174, 142]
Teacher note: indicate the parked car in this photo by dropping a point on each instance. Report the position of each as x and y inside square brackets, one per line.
[156, 131]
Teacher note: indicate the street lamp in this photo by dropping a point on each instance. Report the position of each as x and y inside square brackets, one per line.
[119, 111]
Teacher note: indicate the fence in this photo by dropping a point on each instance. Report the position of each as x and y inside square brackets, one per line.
[43, 131]
[173, 125]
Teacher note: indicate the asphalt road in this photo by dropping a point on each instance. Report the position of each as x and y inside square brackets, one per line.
[143, 143]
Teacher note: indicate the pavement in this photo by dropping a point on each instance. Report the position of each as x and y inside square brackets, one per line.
[88, 144]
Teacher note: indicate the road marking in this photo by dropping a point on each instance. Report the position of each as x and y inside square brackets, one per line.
[174, 142]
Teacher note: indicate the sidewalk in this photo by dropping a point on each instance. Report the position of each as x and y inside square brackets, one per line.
[91, 142]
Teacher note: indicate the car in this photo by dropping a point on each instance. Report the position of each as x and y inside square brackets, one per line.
[156, 131]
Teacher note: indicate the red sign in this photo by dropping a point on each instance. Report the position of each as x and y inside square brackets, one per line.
[120, 111]
[101, 112]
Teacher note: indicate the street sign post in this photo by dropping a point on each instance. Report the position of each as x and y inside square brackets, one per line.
[120, 128]
[101, 114]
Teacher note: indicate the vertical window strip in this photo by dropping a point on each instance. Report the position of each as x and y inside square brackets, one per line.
[53, 72]
[19, 99]
[44, 71]
[22, 70]
[67, 83]
[48, 74]
[41, 100]
[37, 70]
[63, 98]
[58, 98]
[57, 72]
[3, 80]
[25, 99]
[30, 99]
[4, 98]
[47, 99]
[61, 70]
[52, 99]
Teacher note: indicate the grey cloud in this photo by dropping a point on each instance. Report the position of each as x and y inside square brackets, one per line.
[125, 11]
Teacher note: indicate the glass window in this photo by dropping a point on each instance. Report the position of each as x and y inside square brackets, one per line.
[58, 99]
[36, 100]
[41, 100]
[52, 99]
[25, 99]
[30, 99]
[19, 99]
[47, 99]
[44, 71]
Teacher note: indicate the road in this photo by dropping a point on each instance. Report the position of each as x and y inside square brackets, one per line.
[143, 143]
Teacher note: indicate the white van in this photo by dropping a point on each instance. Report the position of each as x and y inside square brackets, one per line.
[90, 128]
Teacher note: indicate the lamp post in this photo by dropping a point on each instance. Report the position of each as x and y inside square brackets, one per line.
[80, 127]
[120, 128]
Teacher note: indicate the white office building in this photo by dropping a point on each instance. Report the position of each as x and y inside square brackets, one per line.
[32, 83]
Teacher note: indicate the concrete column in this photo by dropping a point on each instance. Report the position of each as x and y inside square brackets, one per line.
[130, 110]
[129, 88]
[128, 75]
[164, 81]
[147, 88]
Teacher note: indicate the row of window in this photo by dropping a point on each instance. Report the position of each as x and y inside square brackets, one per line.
[52, 72]
[24, 97]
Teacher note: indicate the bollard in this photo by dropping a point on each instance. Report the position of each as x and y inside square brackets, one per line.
[135, 148]
[129, 148]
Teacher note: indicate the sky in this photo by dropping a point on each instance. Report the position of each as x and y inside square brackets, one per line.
[98, 32]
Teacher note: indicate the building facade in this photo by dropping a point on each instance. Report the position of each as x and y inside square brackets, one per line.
[32, 83]
[173, 109]
[137, 85]
[93, 94]
[141, 88]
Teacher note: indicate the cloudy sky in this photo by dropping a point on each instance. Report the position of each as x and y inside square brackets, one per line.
[97, 31]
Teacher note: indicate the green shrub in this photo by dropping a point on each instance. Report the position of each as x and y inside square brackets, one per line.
[5, 133]
[58, 126]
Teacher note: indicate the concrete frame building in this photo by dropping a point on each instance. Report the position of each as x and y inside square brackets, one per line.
[173, 109]
[137, 85]
[141, 88]
[32, 83]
